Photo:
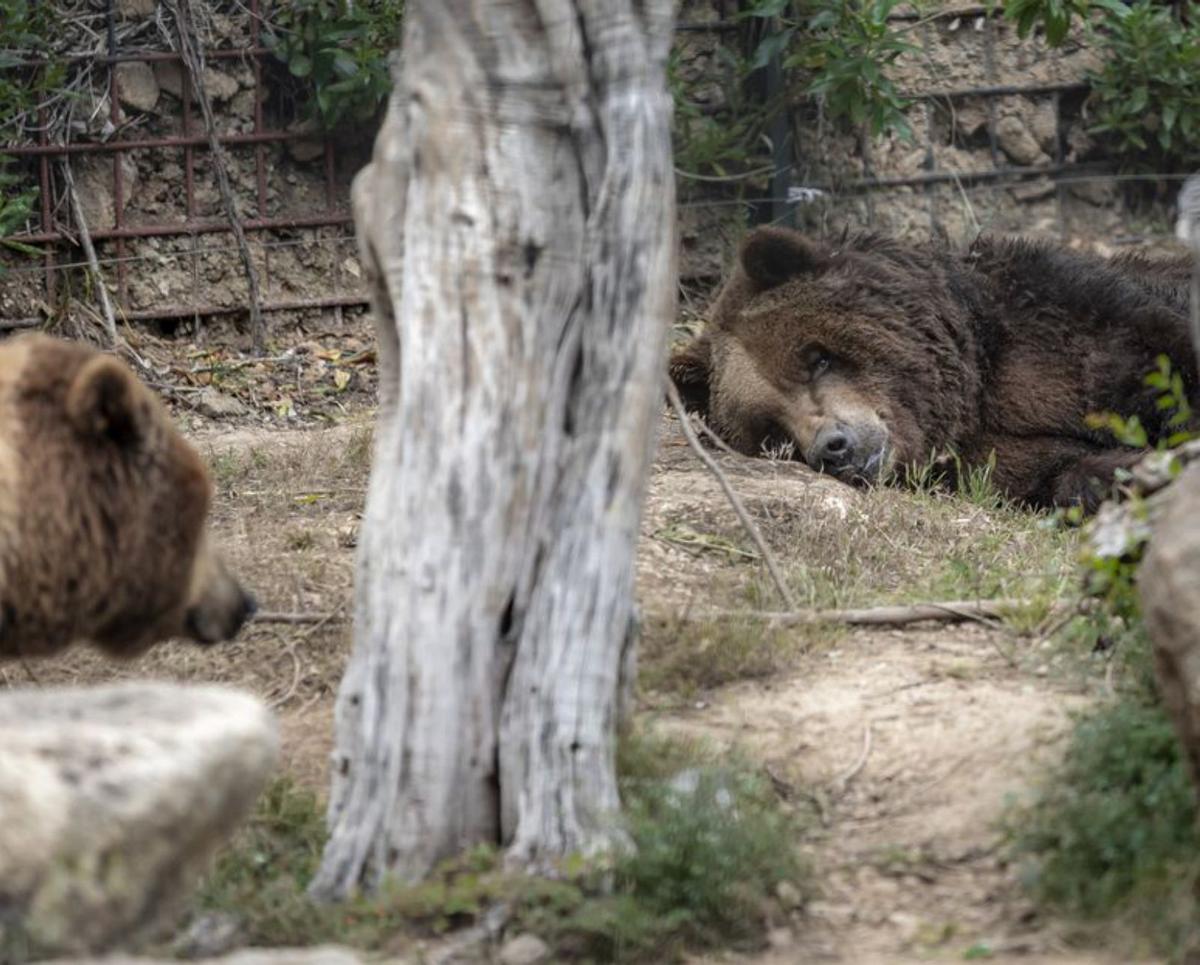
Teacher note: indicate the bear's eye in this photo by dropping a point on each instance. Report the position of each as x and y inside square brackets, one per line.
[820, 363]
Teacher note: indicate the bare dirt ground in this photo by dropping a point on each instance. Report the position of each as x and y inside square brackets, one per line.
[905, 743]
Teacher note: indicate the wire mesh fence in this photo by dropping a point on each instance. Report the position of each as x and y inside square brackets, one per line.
[987, 153]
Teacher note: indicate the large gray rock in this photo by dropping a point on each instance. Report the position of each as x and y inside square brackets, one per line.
[1169, 585]
[113, 801]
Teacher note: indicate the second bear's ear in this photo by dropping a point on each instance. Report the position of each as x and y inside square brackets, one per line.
[104, 401]
[689, 369]
[770, 256]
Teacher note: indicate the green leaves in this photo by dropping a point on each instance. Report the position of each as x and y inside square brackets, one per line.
[844, 46]
[1146, 97]
[338, 49]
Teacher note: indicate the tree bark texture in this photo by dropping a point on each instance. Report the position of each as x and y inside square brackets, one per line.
[517, 227]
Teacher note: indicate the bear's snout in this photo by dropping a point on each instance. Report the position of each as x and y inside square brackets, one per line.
[209, 624]
[854, 453]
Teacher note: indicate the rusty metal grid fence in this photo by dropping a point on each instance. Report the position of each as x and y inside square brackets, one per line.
[792, 182]
[52, 236]
[798, 182]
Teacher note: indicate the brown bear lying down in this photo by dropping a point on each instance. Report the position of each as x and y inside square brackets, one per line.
[866, 357]
[103, 511]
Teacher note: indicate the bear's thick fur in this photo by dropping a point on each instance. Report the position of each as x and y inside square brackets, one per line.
[872, 355]
[103, 511]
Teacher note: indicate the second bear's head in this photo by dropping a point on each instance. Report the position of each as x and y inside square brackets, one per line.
[103, 511]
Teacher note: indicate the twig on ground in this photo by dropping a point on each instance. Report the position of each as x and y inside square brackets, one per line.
[317, 619]
[89, 251]
[950, 611]
[297, 676]
[715, 439]
[195, 68]
[710, 464]
[841, 784]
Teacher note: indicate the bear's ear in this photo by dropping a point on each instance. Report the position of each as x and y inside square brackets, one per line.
[104, 400]
[770, 256]
[689, 369]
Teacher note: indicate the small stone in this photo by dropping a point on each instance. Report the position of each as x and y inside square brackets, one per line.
[1018, 143]
[524, 949]
[309, 148]
[789, 895]
[781, 938]
[136, 8]
[217, 405]
[1102, 192]
[1032, 190]
[136, 85]
[169, 76]
[209, 936]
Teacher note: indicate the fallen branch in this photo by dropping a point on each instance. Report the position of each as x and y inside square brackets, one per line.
[89, 251]
[841, 784]
[950, 611]
[768, 557]
[195, 67]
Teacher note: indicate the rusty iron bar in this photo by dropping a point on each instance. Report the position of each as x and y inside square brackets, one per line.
[260, 165]
[114, 111]
[330, 183]
[186, 228]
[148, 56]
[287, 305]
[195, 140]
[260, 168]
[996, 90]
[47, 211]
[189, 154]
[869, 185]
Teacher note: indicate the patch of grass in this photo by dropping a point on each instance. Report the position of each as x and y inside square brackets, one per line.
[301, 539]
[711, 847]
[1112, 836]
[684, 657]
[897, 546]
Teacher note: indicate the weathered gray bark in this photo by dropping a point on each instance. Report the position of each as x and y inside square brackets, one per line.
[517, 227]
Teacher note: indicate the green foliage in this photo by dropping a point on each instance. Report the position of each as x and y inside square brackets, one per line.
[337, 50]
[707, 858]
[1172, 399]
[1113, 833]
[1146, 97]
[17, 201]
[28, 29]
[1055, 16]
[844, 46]
[723, 144]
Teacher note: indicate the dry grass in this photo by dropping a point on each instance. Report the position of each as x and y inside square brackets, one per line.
[286, 509]
[841, 548]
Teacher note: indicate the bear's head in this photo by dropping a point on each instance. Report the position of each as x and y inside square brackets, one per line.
[103, 511]
[844, 357]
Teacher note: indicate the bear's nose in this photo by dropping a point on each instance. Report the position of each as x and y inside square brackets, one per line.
[834, 447]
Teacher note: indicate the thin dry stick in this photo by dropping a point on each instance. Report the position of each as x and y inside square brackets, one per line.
[191, 59]
[85, 239]
[842, 783]
[734, 501]
[950, 611]
[268, 616]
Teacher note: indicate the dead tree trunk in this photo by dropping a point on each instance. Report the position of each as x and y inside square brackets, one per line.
[517, 226]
